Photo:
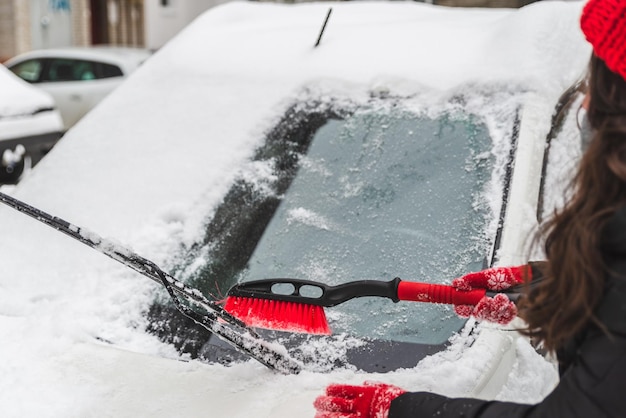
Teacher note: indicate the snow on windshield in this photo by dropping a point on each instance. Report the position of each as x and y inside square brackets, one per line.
[158, 155]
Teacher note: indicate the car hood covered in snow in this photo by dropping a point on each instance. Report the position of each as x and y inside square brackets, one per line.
[159, 154]
[19, 98]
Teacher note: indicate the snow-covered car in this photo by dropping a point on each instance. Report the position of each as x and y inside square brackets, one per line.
[30, 125]
[409, 142]
[77, 77]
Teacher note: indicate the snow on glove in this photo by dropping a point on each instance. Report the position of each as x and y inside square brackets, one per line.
[498, 309]
[372, 400]
[496, 278]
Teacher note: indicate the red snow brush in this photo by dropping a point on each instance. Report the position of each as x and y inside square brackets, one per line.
[298, 305]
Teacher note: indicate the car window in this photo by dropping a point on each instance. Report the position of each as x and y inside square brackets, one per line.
[79, 70]
[28, 70]
[69, 70]
[382, 195]
[109, 70]
[341, 196]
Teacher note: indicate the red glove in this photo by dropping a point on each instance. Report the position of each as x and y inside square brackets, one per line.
[372, 400]
[498, 309]
[496, 278]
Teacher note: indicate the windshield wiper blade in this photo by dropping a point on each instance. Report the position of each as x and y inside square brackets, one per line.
[215, 318]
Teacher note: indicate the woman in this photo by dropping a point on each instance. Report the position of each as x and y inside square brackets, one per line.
[578, 310]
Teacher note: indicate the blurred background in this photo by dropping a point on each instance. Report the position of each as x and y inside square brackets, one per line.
[38, 24]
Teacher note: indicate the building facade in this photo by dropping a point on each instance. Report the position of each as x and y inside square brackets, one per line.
[37, 24]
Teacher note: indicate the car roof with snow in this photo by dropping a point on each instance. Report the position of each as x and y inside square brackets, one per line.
[154, 163]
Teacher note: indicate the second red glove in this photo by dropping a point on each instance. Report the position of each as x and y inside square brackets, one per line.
[498, 309]
[372, 400]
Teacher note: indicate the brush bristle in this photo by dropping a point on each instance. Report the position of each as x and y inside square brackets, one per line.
[278, 315]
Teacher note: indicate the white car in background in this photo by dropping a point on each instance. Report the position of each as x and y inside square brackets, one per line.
[78, 78]
[30, 125]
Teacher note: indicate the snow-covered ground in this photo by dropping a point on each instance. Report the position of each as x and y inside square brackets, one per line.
[71, 321]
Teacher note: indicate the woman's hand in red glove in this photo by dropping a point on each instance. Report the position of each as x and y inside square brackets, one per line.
[372, 400]
[498, 309]
[496, 278]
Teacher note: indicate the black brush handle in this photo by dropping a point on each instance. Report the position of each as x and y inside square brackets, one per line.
[315, 293]
[344, 292]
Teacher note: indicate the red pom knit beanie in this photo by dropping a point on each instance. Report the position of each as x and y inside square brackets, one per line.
[604, 24]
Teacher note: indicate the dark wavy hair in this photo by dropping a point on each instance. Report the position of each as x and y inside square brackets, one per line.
[564, 302]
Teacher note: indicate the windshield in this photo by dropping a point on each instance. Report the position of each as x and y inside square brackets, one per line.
[382, 195]
[345, 193]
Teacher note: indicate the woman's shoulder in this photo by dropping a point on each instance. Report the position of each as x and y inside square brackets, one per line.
[612, 308]
[619, 216]
[613, 238]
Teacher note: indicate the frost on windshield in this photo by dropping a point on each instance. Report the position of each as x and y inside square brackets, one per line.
[366, 192]
[382, 195]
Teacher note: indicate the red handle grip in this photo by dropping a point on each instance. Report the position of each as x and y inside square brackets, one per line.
[438, 293]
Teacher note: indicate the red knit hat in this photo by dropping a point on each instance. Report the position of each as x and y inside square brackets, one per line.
[604, 24]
